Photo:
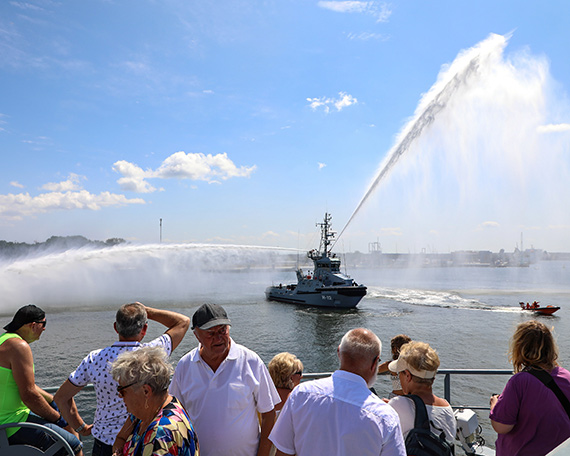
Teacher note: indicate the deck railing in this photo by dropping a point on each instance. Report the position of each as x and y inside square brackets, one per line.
[446, 382]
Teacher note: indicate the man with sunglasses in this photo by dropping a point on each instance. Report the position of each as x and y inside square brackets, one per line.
[111, 413]
[21, 400]
[223, 386]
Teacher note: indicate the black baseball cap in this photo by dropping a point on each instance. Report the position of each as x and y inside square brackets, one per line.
[209, 315]
[25, 315]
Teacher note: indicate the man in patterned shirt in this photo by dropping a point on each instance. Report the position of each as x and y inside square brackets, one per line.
[110, 415]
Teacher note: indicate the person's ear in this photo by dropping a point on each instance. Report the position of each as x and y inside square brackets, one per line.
[147, 390]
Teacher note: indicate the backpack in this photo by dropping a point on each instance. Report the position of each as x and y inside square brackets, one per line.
[421, 441]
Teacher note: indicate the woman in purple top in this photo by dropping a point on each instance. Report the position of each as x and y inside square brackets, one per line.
[527, 415]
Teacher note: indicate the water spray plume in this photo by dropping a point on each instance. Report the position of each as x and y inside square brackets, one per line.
[82, 277]
[463, 68]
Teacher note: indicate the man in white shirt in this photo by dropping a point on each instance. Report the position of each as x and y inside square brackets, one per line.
[111, 413]
[223, 386]
[339, 415]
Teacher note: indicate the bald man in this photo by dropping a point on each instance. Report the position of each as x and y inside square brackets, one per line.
[339, 415]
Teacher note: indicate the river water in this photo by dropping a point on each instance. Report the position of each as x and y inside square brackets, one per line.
[466, 314]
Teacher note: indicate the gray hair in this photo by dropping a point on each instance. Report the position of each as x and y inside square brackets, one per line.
[130, 319]
[145, 366]
[360, 343]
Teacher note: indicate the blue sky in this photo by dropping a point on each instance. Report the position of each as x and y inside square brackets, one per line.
[244, 121]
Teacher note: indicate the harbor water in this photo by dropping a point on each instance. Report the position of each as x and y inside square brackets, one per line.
[466, 313]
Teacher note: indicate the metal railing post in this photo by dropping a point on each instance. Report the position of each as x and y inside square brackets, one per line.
[447, 387]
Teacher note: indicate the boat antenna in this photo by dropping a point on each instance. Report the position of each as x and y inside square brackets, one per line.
[298, 246]
[327, 235]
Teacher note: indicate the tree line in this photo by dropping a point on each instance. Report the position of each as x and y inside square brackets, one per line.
[55, 243]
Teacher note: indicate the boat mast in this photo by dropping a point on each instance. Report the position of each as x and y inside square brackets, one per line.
[327, 235]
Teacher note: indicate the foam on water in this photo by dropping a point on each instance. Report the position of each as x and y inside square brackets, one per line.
[434, 298]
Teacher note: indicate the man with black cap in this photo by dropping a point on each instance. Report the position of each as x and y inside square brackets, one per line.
[223, 385]
[21, 399]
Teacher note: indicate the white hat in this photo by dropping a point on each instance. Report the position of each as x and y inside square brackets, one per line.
[400, 365]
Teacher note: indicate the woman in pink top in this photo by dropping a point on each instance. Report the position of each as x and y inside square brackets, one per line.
[527, 415]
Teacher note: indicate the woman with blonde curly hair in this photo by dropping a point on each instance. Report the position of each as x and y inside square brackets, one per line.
[286, 371]
[416, 367]
[527, 415]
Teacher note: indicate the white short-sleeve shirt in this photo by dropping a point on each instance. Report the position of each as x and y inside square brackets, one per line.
[337, 416]
[223, 405]
[95, 368]
[441, 419]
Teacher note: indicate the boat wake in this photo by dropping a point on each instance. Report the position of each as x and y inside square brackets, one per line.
[434, 298]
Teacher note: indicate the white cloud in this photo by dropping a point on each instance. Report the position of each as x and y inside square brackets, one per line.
[26, 6]
[391, 231]
[379, 10]
[365, 36]
[71, 184]
[344, 100]
[316, 103]
[16, 184]
[180, 165]
[2, 121]
[321, 165]
[553, 128]
[133, 179]
[18, 206]
[488, 225]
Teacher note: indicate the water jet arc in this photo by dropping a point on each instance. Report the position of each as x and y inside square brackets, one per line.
[438, 102]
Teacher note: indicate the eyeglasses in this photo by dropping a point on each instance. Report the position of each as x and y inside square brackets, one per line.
[376, 360]
[299, 373]
[120, 388]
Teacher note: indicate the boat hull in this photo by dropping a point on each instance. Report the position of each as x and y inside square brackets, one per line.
[337, 297]
[545, 310]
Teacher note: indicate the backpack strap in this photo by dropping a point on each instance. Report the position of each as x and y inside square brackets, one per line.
[549, 382]
[421, 420]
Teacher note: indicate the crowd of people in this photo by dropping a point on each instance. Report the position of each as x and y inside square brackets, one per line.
[222, 400]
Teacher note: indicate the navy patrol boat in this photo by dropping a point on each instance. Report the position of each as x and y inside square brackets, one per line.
[326, 285]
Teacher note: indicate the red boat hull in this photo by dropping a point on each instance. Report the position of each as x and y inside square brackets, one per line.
[549, 310]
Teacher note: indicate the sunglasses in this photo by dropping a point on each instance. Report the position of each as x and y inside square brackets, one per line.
[120, 389]
[43, 323]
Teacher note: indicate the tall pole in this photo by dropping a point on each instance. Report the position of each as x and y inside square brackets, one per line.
[161, 231]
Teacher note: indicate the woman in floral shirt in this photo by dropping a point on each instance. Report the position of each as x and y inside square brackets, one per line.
[158, 424]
